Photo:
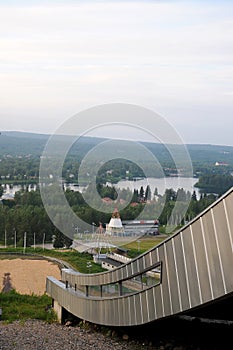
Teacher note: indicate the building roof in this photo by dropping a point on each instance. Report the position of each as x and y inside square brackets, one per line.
[112, 262]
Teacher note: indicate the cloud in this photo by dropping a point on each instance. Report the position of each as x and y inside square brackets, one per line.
[56, 59]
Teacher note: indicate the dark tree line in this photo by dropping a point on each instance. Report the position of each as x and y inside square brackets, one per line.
[27, 214]
[216, 183]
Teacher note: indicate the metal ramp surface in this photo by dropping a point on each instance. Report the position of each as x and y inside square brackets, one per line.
[191, 268]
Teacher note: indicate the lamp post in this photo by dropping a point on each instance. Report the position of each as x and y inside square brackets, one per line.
[5, 239]
[89, 266]
[34, 240]
[43, 240]
[138, 242]
[15, 238]
[76, 230]
[24, 242]
[93, 225]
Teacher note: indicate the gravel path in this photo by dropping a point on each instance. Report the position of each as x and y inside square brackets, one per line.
[38, 335]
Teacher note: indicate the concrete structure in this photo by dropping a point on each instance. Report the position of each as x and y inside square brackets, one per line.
[189, 270]
[113, 260]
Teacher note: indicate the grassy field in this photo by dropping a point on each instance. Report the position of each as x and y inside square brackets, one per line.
[79, 261]
[142, 245]
[145, 243]
[16, 306]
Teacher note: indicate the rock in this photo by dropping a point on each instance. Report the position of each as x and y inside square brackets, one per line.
[125, 337]
[114, 333]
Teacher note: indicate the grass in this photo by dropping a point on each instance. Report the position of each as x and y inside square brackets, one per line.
[17, 306]
[78, 261]
[21, 307]
[142, 245]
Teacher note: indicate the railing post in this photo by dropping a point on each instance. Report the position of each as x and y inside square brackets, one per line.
[141, 281]
[120, 288]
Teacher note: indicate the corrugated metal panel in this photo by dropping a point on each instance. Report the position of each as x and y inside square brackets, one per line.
[165, 286]
[196, 267]
[172, 277]
[212, 255]
[201, 260]
[225, 246]
[191, 268]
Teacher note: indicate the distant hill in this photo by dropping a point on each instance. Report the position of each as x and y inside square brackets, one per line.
[23, 143]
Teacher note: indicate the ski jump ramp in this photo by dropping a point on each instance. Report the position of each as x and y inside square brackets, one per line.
[192, 268]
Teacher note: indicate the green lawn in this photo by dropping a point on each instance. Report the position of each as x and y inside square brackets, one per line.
[142, 245]
[17, 306]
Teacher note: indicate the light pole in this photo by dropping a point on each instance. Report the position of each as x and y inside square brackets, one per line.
[89, 266]
[24, 242]
[43, 240]
[5, 239]
[85, 233]
[15, 238]
[138, 242]
[93, 225]
[76, 230]
[34, 240]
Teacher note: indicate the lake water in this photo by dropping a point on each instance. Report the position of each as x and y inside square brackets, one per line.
[187, 183]
[161, 184]
[10, 190]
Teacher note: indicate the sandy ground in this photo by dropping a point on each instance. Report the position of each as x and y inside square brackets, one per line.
[27, 276]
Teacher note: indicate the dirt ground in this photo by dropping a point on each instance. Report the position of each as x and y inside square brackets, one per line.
[27, 276]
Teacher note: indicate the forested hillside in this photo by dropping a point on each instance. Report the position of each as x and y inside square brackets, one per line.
[20, 155]
[20, 159]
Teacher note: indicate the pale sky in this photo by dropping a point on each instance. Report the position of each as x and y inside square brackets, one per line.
[174, 57]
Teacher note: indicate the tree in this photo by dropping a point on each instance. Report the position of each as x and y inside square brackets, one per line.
[181, 195]
[1, 191]
[141, 193]
[148, 193]
[61, 241]
[135, 196]
[170, 194]
[194, 196]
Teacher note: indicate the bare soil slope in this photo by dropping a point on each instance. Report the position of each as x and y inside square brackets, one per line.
[27, 276]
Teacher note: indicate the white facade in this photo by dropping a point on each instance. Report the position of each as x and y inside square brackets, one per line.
[115, 227]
